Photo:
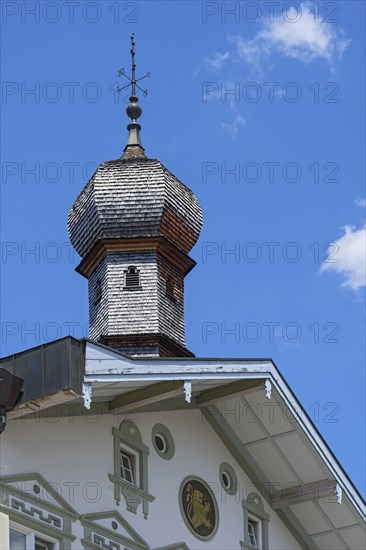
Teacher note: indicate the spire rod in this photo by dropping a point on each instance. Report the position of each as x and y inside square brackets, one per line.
[133, 80]
[134, 147]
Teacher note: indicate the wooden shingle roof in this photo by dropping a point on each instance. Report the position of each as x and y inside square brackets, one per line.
[131, 198]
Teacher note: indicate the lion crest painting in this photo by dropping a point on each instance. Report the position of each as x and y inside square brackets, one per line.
[198, 507]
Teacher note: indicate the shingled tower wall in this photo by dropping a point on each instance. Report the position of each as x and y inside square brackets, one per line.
[134, 224]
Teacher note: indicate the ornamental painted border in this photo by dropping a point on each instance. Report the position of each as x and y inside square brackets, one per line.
[33, 512]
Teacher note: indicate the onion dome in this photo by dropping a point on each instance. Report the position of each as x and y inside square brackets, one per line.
[134, 196]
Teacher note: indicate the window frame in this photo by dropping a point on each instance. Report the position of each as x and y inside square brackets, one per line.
[128, 439]
[256, 526]
[229, 472]
[254, 512]
[133, 457]
[159, 430]
[31, 536]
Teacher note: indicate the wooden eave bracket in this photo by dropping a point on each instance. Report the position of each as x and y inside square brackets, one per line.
[87, 394]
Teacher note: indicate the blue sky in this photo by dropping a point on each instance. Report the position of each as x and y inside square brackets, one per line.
[261, 112]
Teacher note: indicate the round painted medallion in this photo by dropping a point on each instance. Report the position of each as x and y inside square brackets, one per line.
[198, 507]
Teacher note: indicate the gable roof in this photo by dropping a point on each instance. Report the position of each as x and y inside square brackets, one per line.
[272, 438]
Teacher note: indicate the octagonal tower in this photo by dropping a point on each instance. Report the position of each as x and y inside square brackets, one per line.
[134, 224]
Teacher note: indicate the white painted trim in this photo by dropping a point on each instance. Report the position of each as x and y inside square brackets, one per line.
[4, 531]
[313, 435]
[31, 535]
[164, 376]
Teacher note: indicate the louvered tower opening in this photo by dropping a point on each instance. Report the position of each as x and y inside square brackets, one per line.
[132, 278]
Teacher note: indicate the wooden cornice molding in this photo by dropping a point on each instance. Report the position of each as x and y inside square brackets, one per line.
[173, 254]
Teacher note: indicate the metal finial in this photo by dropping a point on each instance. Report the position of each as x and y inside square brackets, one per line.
[133, 110]
[132, 81]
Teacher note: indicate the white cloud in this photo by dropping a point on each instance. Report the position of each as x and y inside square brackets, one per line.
[302, 37]
[217, 60]
[252, 52]
[232, 128]
[297, 34]
[347, 256]
[361, 202]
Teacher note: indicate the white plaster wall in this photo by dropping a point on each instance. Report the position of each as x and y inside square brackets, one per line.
[75, 454]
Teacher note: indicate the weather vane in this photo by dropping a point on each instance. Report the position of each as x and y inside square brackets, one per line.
[132, 81]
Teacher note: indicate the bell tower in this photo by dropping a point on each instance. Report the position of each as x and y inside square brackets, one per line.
[134, 224]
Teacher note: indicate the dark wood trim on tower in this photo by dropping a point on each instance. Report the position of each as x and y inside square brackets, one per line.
[127, 344]
[88, 265]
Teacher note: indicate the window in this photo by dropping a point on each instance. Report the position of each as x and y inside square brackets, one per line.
[163, 441]
[24, 539]
[228, 479]
[97, 292]
[130, 468]
[253, 533]
[127, 467]
[169, 289]
[18, 541]
[43, 545]
[160, 443]
[255, 524]
[132, 278]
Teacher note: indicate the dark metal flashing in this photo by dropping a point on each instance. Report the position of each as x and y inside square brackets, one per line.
[215, 359]
[49, 368]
